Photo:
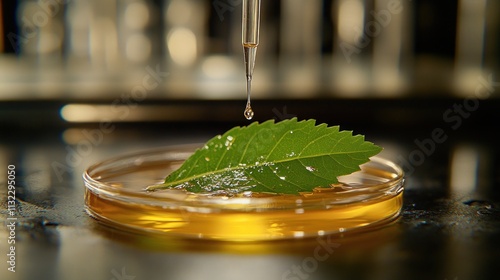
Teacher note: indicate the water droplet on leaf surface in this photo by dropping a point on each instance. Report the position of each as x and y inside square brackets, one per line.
[310, 168]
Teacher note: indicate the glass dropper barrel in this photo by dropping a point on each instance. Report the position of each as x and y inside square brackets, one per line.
[250, 41]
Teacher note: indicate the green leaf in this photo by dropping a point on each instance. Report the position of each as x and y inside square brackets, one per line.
[286, 157]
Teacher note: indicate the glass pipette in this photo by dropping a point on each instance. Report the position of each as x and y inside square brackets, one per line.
[250, 41]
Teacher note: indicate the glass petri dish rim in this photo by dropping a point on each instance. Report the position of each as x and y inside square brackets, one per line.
[173, 198]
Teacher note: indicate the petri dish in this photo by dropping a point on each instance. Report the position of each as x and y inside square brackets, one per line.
[115, 195]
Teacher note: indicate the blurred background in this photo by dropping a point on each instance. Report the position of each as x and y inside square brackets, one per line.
[79, 61]
[85, 80]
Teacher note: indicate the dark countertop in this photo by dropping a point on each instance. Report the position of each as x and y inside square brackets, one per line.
[448, 229]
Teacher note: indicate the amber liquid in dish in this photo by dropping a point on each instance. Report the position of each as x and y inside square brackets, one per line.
[268, 216]
[246, 226]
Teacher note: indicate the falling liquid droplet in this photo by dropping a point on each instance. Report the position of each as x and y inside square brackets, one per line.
[250, 52]
[248, 112]
[248, 109]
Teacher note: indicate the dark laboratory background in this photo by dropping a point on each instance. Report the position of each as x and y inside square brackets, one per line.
[420, 78]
